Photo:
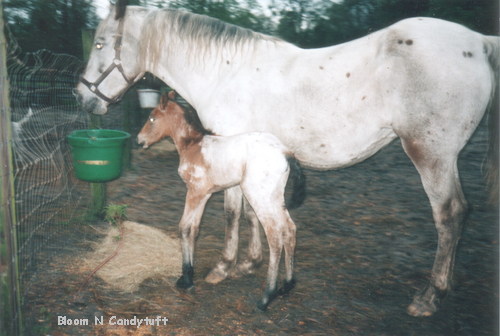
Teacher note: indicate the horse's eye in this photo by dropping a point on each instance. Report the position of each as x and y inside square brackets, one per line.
[99, 46]
[152, 120]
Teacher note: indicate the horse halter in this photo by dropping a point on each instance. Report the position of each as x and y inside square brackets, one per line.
[117, 63]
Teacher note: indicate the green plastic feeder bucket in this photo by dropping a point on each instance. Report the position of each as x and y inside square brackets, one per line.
[97, 154]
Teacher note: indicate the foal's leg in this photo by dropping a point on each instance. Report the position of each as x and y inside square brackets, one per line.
[289, 244]
[439, 175]
[274, 235]
[280, 232]
[189, 228]
[266, 196]
[232, 209]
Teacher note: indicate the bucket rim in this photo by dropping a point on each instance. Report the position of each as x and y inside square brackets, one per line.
[118, 134]
[148, 90]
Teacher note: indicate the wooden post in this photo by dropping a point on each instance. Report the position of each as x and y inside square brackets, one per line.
[127, 106]
[98, 189]
[8, 205]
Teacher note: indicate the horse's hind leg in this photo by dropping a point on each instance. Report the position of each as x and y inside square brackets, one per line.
[439, 175]
[227, 264]
[254, 256]
[232, 208]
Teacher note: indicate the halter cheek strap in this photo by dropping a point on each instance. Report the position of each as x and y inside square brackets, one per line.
[116, 64]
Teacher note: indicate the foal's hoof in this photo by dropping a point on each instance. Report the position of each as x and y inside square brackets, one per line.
[266, 300]
[215, 276]
[185, 283]
[287, 287]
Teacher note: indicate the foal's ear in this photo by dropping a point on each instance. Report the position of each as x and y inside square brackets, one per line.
[120, 7]
[171, 95]
[163, 101]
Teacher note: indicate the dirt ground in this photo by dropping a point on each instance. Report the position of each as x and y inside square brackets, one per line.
[365, 245]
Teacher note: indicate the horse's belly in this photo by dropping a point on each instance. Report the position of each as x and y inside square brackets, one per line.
[333, 153]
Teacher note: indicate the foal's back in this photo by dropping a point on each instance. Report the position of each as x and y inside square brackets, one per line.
[229, 161]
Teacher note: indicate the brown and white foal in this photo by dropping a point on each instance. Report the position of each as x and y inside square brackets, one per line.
[256, 161]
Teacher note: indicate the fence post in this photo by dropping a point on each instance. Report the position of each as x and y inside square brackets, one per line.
[7, 206]
[98, 189]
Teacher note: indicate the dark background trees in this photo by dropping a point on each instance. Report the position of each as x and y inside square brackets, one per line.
[49, 24]
[56, 24]
[335, 22]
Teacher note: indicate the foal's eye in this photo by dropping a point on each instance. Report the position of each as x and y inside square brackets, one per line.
[99, 46]
[152, 120]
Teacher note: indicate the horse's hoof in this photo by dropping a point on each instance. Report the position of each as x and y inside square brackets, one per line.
[419, 309]
[215, 276]
[245, 268]
[425, 301]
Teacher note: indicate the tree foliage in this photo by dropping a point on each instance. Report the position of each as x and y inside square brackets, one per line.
[56, 24]
[336, 22]
[244, 13]
[49, 24]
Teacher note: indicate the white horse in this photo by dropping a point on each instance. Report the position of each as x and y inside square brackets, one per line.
[424, 80]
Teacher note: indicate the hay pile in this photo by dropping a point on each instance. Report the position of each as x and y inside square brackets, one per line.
[146, 252]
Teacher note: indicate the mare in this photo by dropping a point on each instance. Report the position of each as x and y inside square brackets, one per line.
[258, 162]
[427, 81]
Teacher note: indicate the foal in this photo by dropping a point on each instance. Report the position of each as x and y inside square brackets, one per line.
[257, 161]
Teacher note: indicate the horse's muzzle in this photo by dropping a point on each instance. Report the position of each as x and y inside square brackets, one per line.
[89, 103]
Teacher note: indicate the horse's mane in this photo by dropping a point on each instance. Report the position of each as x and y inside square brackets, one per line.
[193, 30]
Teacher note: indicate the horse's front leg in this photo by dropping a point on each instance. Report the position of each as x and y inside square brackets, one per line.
[189, 228]
[232, 208]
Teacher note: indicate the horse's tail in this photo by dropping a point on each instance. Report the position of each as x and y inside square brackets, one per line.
[299, 184]
[492, 48]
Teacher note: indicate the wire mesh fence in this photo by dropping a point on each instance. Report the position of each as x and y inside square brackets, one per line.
[49, 200]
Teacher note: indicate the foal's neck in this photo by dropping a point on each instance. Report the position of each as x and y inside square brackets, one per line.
[184, 135]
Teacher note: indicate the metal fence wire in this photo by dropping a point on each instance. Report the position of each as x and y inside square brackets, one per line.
[49, 200]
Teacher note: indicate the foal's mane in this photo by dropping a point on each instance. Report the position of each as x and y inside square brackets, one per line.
[198, 32]
[192, 118]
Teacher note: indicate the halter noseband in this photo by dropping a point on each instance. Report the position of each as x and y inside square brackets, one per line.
[117, 63]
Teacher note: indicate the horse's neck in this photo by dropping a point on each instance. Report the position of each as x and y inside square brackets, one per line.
[191, 75]
[189, 80]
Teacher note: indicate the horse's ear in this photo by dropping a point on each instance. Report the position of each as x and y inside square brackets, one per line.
[120, 7]
[171, 95]
[163, 100]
